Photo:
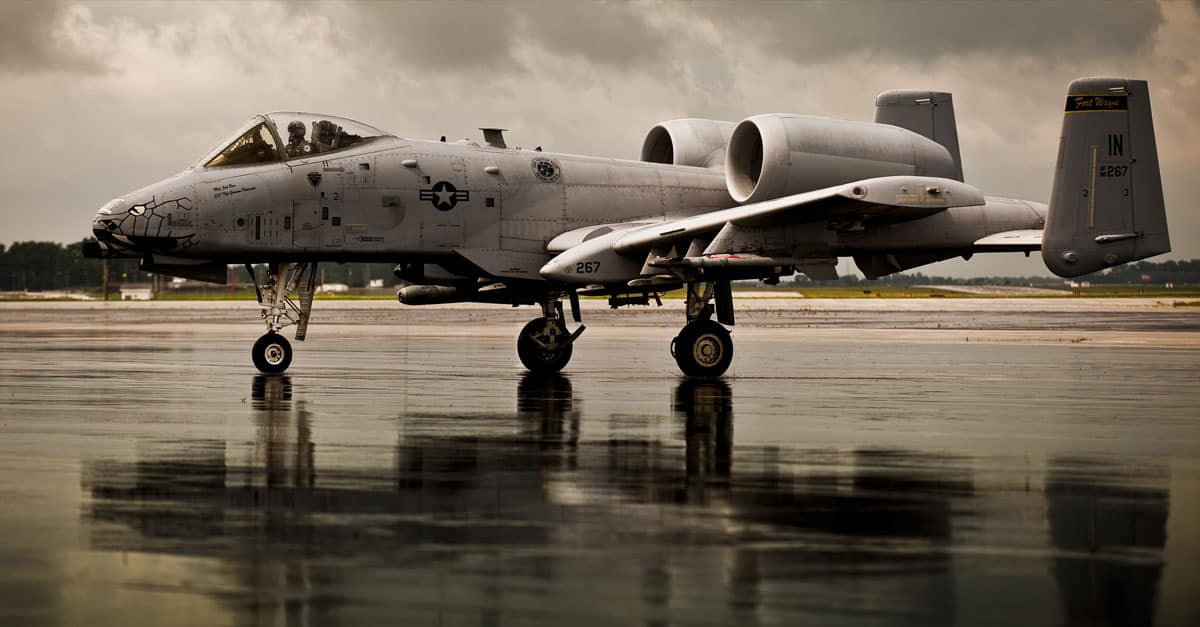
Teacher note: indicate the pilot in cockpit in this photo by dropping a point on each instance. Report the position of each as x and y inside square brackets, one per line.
[297, 146]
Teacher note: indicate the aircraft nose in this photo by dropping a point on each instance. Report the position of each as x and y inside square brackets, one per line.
[106, 228]
[103, 226]
[104, 217]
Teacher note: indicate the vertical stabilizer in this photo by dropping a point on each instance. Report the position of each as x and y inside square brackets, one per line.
[1106, 206]
[927, 113]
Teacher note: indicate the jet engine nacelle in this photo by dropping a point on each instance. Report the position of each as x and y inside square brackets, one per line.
[691, 141]
[779, 154]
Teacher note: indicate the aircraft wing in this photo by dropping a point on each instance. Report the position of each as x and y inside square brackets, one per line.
[641, 251]
[900, 197]
[570, 239]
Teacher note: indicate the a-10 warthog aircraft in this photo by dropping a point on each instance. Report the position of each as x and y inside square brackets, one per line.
[708, 203]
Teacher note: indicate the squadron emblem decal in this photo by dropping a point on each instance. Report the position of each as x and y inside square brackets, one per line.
[546, 170]
[314, 178]
[444, 196]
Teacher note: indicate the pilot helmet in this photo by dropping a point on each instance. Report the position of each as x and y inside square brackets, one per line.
[295, 130]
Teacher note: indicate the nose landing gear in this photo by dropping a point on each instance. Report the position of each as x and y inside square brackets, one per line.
[272, 353]
[544, 344]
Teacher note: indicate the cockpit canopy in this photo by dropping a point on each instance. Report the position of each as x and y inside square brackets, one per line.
[285, 135]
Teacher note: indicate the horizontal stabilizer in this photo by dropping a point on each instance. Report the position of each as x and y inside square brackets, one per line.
[1009, 241]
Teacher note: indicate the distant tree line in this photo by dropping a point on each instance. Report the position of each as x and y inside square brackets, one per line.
[42, 266]
[1179, 272]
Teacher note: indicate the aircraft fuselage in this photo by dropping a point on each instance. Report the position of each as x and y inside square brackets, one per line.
[393, 199]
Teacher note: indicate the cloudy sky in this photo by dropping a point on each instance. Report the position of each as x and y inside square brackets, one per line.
[101, 98]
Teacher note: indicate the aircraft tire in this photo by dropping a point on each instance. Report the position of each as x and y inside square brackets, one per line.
[272, 353]
[703, 349]
[536, 358]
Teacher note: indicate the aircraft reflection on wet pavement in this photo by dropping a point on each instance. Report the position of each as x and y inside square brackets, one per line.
[1087, 516]
[537, 525]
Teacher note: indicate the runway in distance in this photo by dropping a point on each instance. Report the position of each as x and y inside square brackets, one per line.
[708, 203]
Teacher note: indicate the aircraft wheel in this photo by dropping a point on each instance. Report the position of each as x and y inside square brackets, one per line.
[272, 353]
[703, 349]
[542, 351]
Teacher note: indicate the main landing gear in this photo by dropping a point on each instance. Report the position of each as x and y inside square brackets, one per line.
[704, 348]
[544, 345]
[272, 353]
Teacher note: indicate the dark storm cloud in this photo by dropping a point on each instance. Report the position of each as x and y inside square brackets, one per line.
[924, 31]
[615, 34]
[457, 36]
[435, 37]
[28, 44]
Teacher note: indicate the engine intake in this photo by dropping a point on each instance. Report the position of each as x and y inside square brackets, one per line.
[690, 141]
[780, 154]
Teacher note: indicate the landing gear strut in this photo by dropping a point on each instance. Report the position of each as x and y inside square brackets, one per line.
[704, 348]
[544, 345]
[272, 353]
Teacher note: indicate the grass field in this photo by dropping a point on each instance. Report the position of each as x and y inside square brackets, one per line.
[1096, 291]
[902, 291]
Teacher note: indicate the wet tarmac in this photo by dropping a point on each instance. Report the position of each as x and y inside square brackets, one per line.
[976, 462]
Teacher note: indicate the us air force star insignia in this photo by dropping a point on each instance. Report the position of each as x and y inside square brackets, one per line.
[546, 170]
[444, 196]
